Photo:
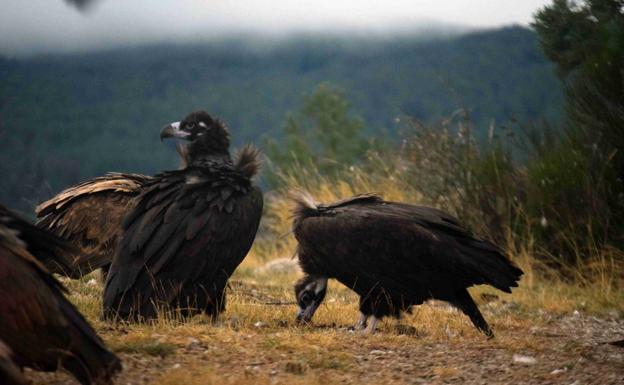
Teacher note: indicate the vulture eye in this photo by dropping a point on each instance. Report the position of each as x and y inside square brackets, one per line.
[190, 125]
[306, 297]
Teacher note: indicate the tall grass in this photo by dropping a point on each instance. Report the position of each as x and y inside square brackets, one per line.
[483, 183]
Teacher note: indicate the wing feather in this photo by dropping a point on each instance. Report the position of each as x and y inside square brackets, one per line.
[90, 216]
[199, 233]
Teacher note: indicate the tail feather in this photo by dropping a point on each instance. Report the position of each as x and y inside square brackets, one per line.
[492, 265]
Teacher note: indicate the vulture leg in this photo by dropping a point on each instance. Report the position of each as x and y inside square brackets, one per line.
[370, 329]
[464, 302]
[361, 323]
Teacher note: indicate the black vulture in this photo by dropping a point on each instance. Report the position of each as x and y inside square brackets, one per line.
[189, 230]
[394, 255]
[89, 216]
[41, 327]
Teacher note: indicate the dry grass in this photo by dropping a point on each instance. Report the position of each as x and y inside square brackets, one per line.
[256, 341]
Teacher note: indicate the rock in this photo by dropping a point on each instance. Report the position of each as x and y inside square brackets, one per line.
[280, 266]
[192, 343]
[176, 366]
[527, 360]
[259, 324]
[557, 372]
[377, 352]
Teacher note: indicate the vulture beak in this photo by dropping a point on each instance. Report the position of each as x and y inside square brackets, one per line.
[305, 315]
[173, 131]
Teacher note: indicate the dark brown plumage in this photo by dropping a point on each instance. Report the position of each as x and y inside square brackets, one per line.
[41, 327]
[189, 230]
[394, 256]
[10, 374]
[89, 216]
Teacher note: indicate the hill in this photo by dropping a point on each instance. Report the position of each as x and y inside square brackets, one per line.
[67, 117]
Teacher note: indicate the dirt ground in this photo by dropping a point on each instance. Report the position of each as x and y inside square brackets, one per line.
[257, 341]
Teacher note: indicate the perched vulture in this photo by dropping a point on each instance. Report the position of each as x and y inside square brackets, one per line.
[189, 230]
[10, 374]
[89, 216]
[41, 327]
[393, 255]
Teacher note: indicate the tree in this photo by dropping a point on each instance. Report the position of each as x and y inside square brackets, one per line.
[324, 135]
[586, 42]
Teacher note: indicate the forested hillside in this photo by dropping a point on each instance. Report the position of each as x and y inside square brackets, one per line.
[67, 117]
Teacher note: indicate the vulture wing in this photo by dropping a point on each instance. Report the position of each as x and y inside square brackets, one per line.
[403, 247]
[10, 374]
[42, 328]
[90, 216]
[188, 233]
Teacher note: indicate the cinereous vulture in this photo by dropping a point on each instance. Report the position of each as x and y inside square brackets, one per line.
[41, 327]
[189, 229]
[394, 255]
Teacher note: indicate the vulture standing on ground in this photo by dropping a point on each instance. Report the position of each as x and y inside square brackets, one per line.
[41, 327]
[393, 255]
[189, 229]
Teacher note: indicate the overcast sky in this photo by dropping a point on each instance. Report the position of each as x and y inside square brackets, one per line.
[28, 26]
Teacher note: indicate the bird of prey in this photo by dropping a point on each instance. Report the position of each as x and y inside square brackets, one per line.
[41, 327]
[394, 255]
[189, 229]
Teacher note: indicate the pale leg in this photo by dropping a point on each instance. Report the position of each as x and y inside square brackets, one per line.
[370, 329]
[361, 323]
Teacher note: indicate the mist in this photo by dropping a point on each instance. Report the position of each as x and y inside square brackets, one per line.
[38, 26]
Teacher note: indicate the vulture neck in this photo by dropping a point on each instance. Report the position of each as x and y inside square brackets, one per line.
[211, 160]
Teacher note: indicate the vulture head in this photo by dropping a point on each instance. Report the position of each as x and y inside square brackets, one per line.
[310, 292]
[206, 136]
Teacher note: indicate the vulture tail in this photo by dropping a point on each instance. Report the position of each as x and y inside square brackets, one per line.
[463, 301]
[305, 206]
[491, 264]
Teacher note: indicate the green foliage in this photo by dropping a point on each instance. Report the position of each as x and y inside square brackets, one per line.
[322, 135]
[64, 118]
[579, 176]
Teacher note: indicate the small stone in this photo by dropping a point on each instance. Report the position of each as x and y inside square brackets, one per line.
[527, 360]
[259, 324]
[92, 282]
[176, 366]
[557, 372]
[576, 313]
[192, 343]
[377, 352]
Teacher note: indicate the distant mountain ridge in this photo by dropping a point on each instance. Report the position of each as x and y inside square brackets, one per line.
[67, 117]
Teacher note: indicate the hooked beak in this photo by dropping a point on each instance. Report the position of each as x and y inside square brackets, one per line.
[305, 315]
[173, 131]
